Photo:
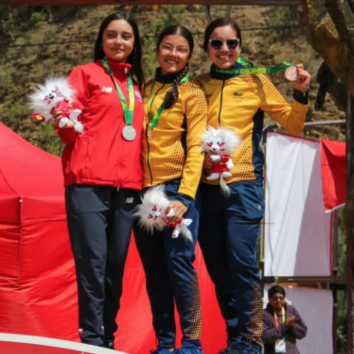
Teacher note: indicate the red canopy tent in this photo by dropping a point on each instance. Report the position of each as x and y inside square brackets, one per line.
[36, 267]
[37, 277]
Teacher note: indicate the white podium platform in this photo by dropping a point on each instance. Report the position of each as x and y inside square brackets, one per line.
[19, 344]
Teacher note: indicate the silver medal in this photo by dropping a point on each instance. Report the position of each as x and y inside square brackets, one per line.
[129, 133]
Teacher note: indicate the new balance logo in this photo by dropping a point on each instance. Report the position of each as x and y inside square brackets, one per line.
[106, 89]
[129, 200]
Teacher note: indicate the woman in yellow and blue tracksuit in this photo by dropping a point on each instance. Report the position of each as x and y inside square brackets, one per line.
[171, 156]
[230, 226]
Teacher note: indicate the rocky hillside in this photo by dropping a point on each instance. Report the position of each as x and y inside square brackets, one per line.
[66, 35]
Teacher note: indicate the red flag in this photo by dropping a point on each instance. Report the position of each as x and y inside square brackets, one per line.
[334, 174]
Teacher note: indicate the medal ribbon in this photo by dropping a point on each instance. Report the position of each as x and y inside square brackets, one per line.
[128, 112]
[158, 113]
[277, 325]
[249, 68]
[282, 317]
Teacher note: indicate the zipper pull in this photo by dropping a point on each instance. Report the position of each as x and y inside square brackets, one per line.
[118, 189]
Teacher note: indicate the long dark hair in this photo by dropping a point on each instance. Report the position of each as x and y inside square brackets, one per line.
[172, 94]
[220, 22]
[135, 58]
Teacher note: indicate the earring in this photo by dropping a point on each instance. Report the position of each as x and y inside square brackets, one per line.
[134, 50]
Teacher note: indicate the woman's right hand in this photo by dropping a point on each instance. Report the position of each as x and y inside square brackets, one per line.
[56, 116]
[208, 164]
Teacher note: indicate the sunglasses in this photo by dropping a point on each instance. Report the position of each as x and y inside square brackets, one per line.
[275, 298]
[231, 43]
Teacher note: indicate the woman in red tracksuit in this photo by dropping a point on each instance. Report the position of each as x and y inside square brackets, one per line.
[103, 174]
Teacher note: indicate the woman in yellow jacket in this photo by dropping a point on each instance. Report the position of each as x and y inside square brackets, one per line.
[175, 117]
[229, 226]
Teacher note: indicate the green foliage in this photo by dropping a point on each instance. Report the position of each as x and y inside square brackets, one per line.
[9, 27]
[149, 58]
[48, 35]
[51, 143]
[15, 20]
[282, 16]
[5, 78]
[156, 25]
[175, 9]
[18, 110]
[175, 12]
[342, 248]
[39, 19]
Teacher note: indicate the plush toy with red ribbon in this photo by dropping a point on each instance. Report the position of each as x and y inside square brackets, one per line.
[56, 93]
[221, 143]
[152, 214]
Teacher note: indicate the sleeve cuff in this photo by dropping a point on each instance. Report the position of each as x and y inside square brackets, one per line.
[184, 199]
[301, 97]
[67, 135]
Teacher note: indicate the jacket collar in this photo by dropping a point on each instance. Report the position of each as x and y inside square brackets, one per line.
[120, 70]
[165, 79]
[220, 76]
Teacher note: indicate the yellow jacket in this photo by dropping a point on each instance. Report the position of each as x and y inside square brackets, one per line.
[239, 103]
[173, 149]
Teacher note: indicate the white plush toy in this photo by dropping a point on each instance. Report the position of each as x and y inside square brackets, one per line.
[222, 143]
[152, 214]
[56, 93]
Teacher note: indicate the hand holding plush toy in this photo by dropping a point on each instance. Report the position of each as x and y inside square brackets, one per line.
[152, 214]
[56, 93]
[222, 143]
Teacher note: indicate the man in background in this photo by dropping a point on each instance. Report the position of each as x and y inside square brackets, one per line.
[282, 324]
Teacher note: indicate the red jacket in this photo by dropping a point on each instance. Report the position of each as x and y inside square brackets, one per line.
[100, 155]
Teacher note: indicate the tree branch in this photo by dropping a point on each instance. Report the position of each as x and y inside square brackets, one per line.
[326, 41]
[343, 18]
